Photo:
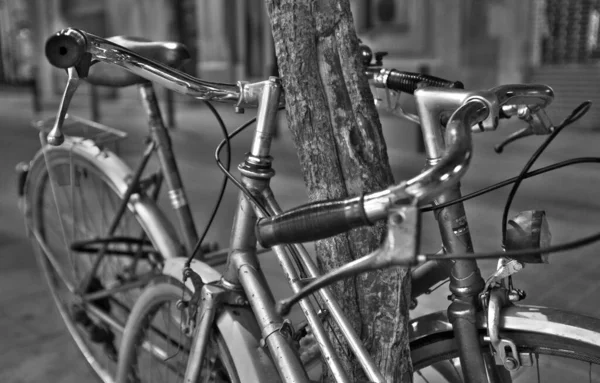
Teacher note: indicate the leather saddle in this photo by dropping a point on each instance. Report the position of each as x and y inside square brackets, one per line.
[169, 53]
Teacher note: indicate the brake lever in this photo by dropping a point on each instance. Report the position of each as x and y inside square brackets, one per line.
[524, 94]
[56, 136]
[399, 249]
[538, 120]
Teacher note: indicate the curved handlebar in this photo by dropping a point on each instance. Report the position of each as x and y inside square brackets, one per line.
[407, 82]
[68, 47]
[320, 220]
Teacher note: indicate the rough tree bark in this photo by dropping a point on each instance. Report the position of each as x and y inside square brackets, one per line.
[339, 141]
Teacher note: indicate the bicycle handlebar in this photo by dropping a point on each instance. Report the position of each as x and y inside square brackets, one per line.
[408, 82]
[320, 220]
[69, 47]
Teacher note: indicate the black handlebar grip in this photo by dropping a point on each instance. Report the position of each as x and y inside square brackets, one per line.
[408, 82]
[66, 48]
[312, 222]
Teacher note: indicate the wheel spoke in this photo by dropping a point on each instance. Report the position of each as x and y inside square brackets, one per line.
[72, 201]
[537, 366]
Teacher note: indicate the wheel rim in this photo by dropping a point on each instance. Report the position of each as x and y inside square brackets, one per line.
[163, 342]
[79, 206]
[544, 358]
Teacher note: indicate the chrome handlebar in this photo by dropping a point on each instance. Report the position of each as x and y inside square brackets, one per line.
[400, 247]
[69, 48]
[76, 50]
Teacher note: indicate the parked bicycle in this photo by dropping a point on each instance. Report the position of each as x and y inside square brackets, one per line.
[96, 222]
[194, 324]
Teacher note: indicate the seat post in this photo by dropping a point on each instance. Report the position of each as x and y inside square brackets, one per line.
[176, 192]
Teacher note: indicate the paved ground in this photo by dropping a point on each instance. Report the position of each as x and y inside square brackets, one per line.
[35, 345]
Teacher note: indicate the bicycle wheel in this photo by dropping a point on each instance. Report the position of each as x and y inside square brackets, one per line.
[70, 205]
[549, 358]
[156, 344]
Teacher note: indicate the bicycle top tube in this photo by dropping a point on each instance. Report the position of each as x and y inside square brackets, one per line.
[74, 45]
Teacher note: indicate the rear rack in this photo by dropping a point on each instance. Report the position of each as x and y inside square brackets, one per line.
[80, 127]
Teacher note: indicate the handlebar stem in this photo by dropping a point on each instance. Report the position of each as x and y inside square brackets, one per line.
[432, 102]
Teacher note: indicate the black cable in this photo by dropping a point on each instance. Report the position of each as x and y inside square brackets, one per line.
[509, 181]
[515, 254]
[576, 114]
[223, 185]
[237, 183]
[228, 175]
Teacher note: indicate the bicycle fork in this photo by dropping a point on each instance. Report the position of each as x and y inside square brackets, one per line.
[465, 284]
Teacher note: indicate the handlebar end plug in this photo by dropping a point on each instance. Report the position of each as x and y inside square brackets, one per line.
[65, 49]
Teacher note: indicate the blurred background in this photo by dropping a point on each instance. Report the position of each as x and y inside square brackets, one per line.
[481, 43]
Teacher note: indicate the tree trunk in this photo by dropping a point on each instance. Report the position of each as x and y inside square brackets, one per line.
[340, 144]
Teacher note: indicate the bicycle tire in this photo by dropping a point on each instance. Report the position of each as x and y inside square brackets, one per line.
[141, 319]
[99, 356]
[435, 357]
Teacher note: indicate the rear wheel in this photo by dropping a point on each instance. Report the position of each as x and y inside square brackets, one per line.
[157, 341]
[545, 358]
[71, 204]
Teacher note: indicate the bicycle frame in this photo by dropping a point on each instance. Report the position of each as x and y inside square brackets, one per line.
[466, 282]
[243, 269]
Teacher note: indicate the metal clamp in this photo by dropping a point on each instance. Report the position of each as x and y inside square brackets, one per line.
[511, 361]
[506, 268]
[285, 328]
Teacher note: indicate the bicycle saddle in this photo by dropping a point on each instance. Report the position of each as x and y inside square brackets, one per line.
[172, 54]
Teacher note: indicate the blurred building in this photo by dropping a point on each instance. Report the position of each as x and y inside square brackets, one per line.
[16, 43]
[481, 43]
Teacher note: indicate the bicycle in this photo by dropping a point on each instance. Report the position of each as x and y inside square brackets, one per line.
[234, 313]
[106, 237]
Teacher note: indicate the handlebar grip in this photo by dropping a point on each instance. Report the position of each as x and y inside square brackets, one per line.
[312, 222]
[408, 82]
[66, 48]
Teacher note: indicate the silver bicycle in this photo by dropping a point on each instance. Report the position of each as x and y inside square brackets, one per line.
[194, 324]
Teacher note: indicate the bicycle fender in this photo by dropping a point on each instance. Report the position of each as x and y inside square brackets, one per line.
[160, 231]
[535, 319]
[237, 325]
